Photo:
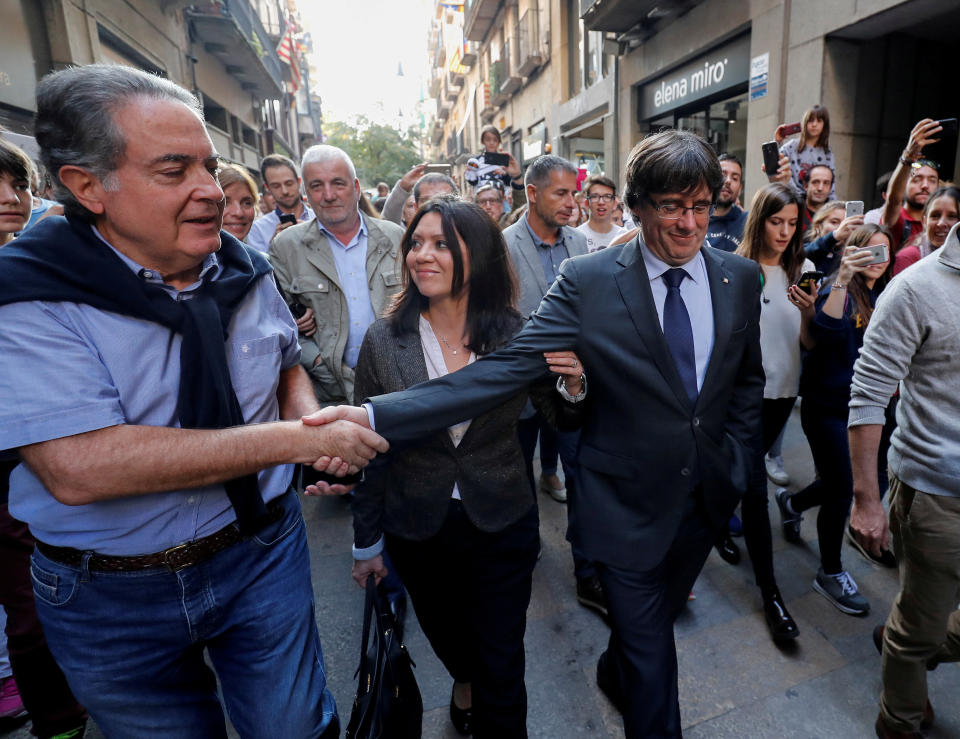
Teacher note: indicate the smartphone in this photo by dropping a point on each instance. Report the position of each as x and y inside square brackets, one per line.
[879, 252]
[437, 169]
[500, 160]
[854, 208]
[310, 476]
[791, 128]
[807, 279]
[771, 158]
[288, 218]
[949, 127]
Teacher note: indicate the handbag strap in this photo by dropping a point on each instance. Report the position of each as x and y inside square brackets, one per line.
[369, 606]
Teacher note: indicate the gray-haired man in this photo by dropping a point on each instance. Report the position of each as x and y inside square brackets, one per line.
[146, 365]
[344, 266]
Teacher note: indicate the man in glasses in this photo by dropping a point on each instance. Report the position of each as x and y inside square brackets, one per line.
[489, 196]
[601, 198]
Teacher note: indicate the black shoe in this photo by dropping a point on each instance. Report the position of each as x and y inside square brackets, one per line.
[789, 521]
[608, 683]
[461, 718]
[886, 558]
[590, 594]
[728, 550]
[779, 621]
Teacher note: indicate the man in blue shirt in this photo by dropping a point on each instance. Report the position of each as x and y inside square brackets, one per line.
[282, 181]
[728, 218]
[145, 369]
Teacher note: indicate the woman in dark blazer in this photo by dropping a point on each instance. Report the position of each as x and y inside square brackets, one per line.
[455, 512]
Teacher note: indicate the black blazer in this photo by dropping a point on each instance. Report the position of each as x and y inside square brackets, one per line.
[644, 444]
[407, 492]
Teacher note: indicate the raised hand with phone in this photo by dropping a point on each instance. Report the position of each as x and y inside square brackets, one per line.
[912, 183]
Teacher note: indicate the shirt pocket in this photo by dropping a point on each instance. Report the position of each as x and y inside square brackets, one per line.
[255, 373]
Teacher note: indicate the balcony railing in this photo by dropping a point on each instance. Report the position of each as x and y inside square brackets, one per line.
[530, 56]
[510, 81]
[232, 31]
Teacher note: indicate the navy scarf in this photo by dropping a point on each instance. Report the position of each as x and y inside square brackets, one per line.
[63, 260]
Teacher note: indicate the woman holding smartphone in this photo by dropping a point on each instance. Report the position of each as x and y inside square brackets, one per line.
[842, 316]
[456, 511]
[772, 239]
[810, 149]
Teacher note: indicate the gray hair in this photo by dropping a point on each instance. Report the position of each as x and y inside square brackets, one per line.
[434, 177]
[538, 173]
[671, 161]
[323, 153]
[75, 127]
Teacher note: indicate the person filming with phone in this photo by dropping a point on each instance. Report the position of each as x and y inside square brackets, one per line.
[913, 181]
[842, 316]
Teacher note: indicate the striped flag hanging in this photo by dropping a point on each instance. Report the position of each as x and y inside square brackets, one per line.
[289, 54]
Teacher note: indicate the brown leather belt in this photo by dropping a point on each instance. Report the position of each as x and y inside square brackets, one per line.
[175, 558]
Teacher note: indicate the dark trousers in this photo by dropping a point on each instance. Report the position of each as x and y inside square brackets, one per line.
[470, 590]
[564, 443]
[754, 506]
[642, 654]
[42, 685]
[826, 430]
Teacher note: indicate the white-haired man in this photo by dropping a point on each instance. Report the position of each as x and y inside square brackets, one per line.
[343, 266]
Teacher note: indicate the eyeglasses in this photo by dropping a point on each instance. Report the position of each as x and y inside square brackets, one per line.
[489, 201]
[674, 211]
[604, 198]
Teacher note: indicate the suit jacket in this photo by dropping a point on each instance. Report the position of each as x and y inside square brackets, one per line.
[527, 264]
[407, 492]
[644, 445]
[307, 273]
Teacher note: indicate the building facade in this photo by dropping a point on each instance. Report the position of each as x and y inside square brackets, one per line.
[601, 74]
[224, 51]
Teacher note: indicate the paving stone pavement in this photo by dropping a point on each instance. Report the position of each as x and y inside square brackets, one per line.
[734, 682]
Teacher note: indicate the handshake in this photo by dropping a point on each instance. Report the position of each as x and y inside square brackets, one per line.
[345, 443]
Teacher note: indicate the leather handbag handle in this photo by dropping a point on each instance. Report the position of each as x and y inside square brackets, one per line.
[369, 606]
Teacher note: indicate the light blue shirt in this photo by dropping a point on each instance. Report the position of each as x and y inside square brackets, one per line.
[551, 255]
[351, 261]
[695, 291]
[69, 368]
[262, 230]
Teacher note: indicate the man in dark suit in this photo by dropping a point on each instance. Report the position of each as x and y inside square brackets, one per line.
[668, 330]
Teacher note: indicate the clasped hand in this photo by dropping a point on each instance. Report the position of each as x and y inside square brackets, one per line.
[349, 444]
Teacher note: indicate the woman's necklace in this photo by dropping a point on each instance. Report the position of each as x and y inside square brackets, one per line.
[452, 350]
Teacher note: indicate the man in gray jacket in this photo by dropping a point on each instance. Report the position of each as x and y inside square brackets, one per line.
[538, 243]
[913, 339]
[343, 266]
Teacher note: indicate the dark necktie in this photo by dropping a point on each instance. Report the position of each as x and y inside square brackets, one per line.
[678, 332]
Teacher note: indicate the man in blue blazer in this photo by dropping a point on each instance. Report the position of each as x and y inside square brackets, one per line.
[668, 331]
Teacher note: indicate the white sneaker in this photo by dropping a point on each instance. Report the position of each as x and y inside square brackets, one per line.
[775, 470]
[558, 495]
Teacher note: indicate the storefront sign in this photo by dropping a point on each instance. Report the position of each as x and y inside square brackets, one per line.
[759, 74]
[534, 142]
[715, 72]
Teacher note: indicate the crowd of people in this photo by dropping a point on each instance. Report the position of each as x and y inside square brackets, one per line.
[651, 345]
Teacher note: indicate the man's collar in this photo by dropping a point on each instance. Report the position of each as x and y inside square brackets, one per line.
[540, 242]
[655, 266]
[364, 231]
[211, 265]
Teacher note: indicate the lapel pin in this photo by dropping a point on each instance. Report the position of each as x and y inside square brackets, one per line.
[725, 280]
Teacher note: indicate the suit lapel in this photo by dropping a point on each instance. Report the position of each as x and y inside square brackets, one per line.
[528, 249]
[413, 367]
[720, 281]
[633, 282]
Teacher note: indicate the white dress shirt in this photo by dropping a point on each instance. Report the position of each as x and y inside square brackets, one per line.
[695, 291]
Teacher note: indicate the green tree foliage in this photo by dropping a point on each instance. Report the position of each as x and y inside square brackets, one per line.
[380, 153]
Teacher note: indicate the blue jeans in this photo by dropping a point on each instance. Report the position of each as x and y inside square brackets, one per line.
[132, 643]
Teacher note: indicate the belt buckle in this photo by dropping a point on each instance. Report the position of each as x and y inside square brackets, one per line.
[172, 554]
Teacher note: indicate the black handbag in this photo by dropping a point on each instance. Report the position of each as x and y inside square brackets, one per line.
[388, 703]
